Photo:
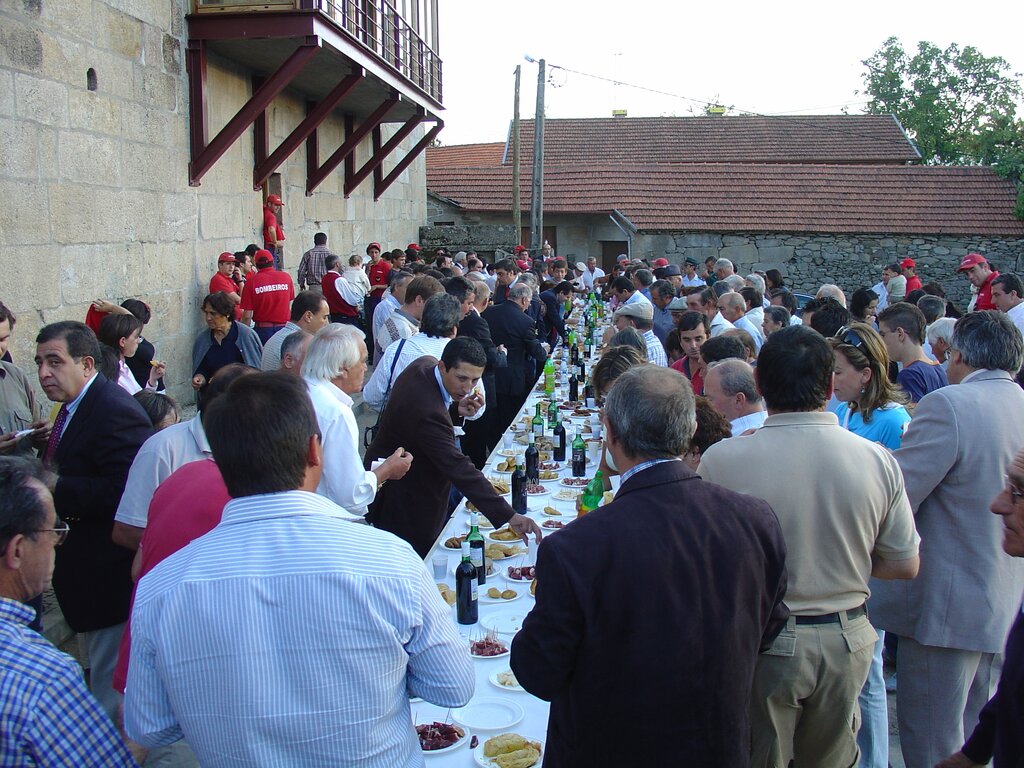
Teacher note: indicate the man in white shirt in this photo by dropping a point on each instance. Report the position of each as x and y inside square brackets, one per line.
[218, 654]
[591, 273]
[405, 321]
[1008, 296]
[394, 297]
[733, 308]
[729, 385]
[440, 323]
[705, 301]
[334, 368]
[690, 277]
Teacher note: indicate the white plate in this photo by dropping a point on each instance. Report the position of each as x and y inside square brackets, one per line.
[567, 494]
[486, 714]
[482, 523]
[505, 623]
[488, 658]
[565, 482]
[483, 598]
[487, 762]
[452, 748]
[546, 492]
[493, 677]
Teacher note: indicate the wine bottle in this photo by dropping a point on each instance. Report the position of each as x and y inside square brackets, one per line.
[519, 487]
[579, 455]
[559, 440]
[466, 607]
[538, 422]
[574, 387]
[552, 414]
[476, 548]
[532, 459]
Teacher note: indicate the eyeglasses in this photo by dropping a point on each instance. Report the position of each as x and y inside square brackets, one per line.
[1016, 494]
[851, 338]
[62, 530]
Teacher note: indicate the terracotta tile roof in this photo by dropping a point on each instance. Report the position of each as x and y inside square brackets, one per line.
[733, 197]
[466, 155]
[862, 139]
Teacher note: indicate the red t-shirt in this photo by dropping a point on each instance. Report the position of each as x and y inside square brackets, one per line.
[270, 222]
[913, 283]
[221, 283]
[335, 303]
[269, 295]
[985, 294]
[186, 505]
[378, 276]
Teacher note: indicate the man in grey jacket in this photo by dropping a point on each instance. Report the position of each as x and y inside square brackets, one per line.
[953, 620]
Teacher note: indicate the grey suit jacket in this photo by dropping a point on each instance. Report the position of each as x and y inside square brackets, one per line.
[954, 455]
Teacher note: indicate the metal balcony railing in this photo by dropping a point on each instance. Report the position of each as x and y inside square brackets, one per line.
[375, 25]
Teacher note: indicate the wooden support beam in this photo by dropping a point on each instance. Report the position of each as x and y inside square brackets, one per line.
[209, 154]
[405, 162]
[314, 118]
[317, 175]
[379, 156]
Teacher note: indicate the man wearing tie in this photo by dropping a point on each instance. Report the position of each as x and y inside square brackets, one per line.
[97, 432]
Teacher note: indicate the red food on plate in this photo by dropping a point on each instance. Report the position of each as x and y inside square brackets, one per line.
[552, 524]
[487, 647]
[522, 572]
[535, 488]
[438, 735]
[575, 482]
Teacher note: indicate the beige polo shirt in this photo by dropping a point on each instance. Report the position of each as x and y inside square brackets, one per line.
[839, 498]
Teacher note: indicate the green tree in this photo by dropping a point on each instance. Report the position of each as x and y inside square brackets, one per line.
[946, 99]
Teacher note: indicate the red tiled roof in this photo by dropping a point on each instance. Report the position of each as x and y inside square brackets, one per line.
[861, 139]
[466, 155]
[732, 197]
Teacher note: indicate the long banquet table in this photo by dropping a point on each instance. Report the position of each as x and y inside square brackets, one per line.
[535, 720]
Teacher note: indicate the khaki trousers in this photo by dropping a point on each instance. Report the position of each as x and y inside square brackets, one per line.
[804, 699]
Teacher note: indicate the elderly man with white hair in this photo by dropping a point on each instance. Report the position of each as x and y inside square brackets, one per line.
[733, 307]
[940, 338]
[730, 386]
[830, 290]
[723, 268]
[333, 369]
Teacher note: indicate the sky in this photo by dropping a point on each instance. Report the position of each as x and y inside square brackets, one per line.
[769, 58]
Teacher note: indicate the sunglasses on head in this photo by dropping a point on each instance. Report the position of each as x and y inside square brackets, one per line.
[852, 338]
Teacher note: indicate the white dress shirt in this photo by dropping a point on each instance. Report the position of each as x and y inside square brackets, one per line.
[751, 421]
[162, 454]
[749, 324]
[720, 325]
[1016, 315]
[415, 347]
[287, 636]
[383, 311]
[344, 481]
[589, 277]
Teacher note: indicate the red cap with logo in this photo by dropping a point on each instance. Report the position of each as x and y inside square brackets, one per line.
[659, 263]
[412, 247]
[908, 264]
[225, 257]
[275, 200]
[971, 260]
[263, 258]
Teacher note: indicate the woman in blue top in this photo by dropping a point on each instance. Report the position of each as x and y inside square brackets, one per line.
[873, 407]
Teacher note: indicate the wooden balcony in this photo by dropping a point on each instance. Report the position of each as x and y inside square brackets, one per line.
[359, 57]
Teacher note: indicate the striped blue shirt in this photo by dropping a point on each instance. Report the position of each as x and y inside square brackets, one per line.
[655, 349]
[47, 715]
[288, 636]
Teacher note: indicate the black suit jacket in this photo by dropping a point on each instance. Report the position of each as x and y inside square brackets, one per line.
[649, 618]
[92, 576]
[512, 327]
[416, 506]
[474, 326]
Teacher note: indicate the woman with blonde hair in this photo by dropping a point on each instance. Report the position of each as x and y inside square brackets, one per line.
[873, 407]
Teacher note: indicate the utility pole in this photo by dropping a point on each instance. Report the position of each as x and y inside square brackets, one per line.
[517, 205]
[537, 202]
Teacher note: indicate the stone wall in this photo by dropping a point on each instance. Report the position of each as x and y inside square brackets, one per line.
[851, 261]
[94, 182]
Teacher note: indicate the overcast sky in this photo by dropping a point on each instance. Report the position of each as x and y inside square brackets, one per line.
[770, 58]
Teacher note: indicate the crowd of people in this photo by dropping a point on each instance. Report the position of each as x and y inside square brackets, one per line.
[802, 492]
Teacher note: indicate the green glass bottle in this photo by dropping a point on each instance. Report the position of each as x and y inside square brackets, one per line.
[579, 455]
[552, 414]
[476, 548]
[538, 422]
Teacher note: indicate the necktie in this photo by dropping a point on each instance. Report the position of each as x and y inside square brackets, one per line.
[55, 433]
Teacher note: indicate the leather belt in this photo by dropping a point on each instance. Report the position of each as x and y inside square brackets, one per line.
[832, 618]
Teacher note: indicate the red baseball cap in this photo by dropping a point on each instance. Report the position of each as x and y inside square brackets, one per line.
[225, 257]
[263, 258]
[519, 249]
[275, 200]
[908, 264]
[971, 260]
[412, 247]
[371, 246]
[659, 263]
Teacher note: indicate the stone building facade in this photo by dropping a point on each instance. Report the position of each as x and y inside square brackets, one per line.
[94, 153]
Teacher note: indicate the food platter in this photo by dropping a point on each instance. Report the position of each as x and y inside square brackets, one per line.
[489, 714]
[499, 674]
[485, 598]
[488, 762]
[442, 728]
[495, 649]
[505, 622]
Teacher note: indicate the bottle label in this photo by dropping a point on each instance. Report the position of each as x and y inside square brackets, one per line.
[538, 430]
[477, 557]
[473, 593]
